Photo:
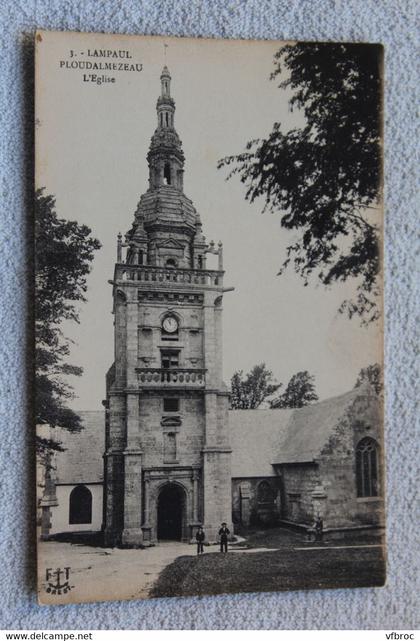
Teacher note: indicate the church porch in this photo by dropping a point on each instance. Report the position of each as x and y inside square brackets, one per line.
[172, 504]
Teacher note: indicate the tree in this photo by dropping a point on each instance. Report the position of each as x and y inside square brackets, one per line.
[64, 251]
[250, 391]
[371, 374]
[300, 391]
[325, 176]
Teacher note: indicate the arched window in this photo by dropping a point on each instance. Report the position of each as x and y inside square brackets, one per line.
[265, 493]
[367, 467]
[80, 505]
[171, 263]
[167, 174]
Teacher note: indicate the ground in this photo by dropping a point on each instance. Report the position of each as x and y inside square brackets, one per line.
[267, 560]
[272, 571]
[102, 574]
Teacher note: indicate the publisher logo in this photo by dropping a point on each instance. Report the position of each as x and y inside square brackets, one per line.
[58, 581]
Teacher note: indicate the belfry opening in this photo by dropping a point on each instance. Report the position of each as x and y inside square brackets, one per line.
[167, 174]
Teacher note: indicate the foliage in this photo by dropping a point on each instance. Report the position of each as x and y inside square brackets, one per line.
[249, 391]
[325, 176]
[300, 391]
[64, 251]
[371, 374]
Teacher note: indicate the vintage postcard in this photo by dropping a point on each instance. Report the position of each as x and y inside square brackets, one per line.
[208, 218]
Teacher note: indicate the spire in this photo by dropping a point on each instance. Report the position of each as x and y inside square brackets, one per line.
[165, 157]
[164, 207]
[165, 79]
[165, 105]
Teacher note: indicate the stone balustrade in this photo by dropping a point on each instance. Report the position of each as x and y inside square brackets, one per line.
[159, 377]
[152, 274]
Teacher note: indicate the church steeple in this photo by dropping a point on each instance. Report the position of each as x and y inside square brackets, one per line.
[165, 104]
[166, 424]
[167, 228]
[165, 157]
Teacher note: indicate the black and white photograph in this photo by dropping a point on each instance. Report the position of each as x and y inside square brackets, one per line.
[208, 316]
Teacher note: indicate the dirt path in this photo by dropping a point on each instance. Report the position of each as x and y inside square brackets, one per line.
[98, 573]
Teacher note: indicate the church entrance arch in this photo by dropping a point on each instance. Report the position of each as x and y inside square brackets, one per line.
[171, 513]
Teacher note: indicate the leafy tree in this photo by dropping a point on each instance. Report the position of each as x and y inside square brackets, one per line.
[325, 176]
[371, 374]
[300, 391]
[249, 391]
[64, 251]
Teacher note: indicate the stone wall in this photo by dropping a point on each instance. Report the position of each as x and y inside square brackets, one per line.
[328, 486]
[337, 465]
[189, 340]
[189, 433]
[298, 484]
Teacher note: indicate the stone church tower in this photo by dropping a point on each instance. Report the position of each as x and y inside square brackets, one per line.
[167, 459]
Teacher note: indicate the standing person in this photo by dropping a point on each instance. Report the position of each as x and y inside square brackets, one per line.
[200, 536]
[319, 526]
[223, 534]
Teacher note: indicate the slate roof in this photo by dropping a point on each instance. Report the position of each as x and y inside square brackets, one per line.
[166, 205]
[259, 439]
[253, 438]
[310, 428]
[82, 461]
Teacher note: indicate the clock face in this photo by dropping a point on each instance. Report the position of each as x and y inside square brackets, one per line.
[170, 324]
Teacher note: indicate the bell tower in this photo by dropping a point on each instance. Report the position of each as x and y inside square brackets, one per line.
[167, 457]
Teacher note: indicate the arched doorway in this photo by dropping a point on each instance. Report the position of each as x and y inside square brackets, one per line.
[171, 503]
[80, 508]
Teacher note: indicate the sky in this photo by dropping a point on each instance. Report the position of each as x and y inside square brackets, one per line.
[91, 147]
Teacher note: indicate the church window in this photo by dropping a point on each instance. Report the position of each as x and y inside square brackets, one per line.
[171, 263]
[80, 505]
[170, 359]
[169, 447]
[161, 119]
[367, 468]
[167, 174]
[200, 262]
[171, 404]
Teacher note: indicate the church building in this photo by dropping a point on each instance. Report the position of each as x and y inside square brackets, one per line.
[172, 457]
[167, 453]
